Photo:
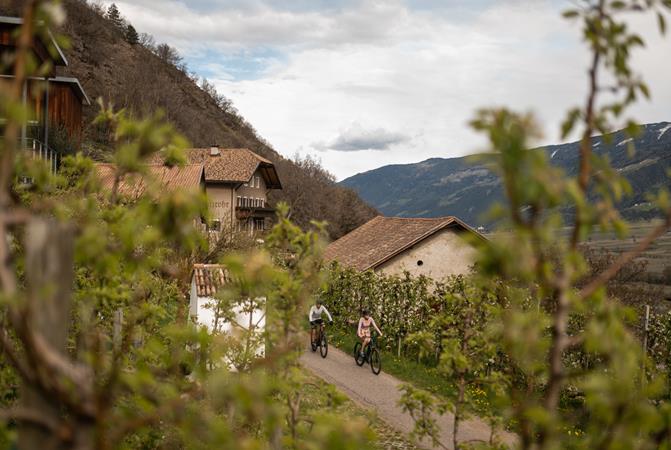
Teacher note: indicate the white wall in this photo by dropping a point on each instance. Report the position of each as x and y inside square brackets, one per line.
[443, 254]
[202, 311]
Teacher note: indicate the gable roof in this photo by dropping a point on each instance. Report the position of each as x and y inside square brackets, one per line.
[208, 278]
[232, 165]
[172, 178]
[59, 59]
[382, 238]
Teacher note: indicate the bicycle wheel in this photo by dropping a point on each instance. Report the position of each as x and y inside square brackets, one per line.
[375, 363]
[323, 347]
[357, 355]
[313, 344]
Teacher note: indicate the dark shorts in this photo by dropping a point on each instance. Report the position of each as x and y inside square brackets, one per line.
[314, 323]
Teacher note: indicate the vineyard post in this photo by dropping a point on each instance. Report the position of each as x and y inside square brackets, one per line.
[49, 276]
[646, 328]
[118, 323]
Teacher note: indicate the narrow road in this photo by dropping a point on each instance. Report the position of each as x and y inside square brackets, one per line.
[380, 392]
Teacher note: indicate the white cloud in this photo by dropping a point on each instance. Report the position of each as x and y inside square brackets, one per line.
[413, 74]
[356, 138]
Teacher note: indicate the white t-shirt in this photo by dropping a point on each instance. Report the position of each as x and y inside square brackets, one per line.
[316, 313]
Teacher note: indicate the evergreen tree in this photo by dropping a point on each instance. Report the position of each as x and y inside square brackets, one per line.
[114, 16]
[131, 35]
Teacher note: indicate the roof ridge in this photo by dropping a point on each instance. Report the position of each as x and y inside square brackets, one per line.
[419, 218]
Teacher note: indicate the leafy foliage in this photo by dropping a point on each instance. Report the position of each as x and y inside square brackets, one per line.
[96, 348]
[577, 368]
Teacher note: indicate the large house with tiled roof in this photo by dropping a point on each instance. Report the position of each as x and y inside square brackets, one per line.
[237, 182]
[435, 248]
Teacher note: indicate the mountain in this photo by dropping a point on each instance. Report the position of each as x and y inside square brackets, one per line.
[144, 77]
[456, 186]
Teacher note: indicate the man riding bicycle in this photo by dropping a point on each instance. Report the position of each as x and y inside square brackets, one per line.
[315, 317]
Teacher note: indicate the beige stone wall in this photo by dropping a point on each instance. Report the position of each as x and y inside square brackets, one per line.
[219, 200]
[222, 200]
[257, 189]
[445, 253]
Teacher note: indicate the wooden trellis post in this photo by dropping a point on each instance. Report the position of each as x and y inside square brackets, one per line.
[49, 276]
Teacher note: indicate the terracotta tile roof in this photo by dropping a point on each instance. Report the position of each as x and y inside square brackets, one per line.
[172, 178]
[209, 278]
[232, 165]
[382, 238]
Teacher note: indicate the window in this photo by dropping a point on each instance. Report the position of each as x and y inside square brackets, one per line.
[259, 224]
[239, 201]
[258, 182]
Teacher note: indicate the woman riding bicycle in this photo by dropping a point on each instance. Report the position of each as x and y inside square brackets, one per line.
[363, 331]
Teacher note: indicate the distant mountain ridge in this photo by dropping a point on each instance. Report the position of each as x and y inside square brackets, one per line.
[456, 186]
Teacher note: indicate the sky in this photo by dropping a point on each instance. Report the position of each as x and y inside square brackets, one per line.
[359, 84]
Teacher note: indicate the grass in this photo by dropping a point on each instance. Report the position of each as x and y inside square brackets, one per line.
[418, 373]
[315, 396]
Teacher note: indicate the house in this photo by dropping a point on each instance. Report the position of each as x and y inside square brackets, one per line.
[435, 248]
[206, 281]
[188, 177]
[237, 183]
[56, 101]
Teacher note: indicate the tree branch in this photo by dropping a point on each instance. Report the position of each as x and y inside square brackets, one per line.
[625, 258]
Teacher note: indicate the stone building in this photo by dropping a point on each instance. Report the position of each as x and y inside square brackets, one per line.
[435, 248]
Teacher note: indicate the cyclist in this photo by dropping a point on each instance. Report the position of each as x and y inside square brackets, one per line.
[315, 317]
[363, 331]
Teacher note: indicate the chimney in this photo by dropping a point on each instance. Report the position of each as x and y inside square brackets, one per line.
[214, 150]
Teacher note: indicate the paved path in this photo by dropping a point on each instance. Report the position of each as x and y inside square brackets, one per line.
[380, 392]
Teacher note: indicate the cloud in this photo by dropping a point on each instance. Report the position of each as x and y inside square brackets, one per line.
[408, 75]
[357, 138]
[236, 25]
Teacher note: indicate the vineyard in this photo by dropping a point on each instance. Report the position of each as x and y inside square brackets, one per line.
[456, 326]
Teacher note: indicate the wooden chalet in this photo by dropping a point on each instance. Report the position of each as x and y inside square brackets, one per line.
[56, 101]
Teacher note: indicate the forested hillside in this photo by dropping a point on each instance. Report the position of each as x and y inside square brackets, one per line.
[131, 70]
[467, 188]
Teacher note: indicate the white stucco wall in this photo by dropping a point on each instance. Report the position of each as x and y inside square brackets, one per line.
[443, 254]
[204, 315]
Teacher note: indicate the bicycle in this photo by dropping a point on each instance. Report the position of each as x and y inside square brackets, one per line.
[320, 341]
[372, 355]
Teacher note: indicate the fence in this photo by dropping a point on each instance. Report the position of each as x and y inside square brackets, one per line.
[41, 151]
